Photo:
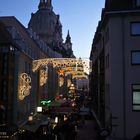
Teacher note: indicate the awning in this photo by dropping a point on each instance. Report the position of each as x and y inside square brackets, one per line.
[38, 120]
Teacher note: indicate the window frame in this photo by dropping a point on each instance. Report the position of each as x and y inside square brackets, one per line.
[132, 91]
[131, 23]
[132, 63]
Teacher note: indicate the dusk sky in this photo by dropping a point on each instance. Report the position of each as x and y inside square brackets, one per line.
[80, 17]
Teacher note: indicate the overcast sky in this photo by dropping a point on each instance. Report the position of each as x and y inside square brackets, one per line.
[80, 17]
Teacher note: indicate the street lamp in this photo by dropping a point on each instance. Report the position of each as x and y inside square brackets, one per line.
[30, 118]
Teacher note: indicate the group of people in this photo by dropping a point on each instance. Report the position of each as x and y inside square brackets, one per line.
[67, 130]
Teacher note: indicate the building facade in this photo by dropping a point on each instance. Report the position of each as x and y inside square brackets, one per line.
[47, 26]
[19, 85]
[21, 89]
[114, 81]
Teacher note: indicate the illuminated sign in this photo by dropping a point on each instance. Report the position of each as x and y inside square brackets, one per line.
[39, 109]
[46, 102]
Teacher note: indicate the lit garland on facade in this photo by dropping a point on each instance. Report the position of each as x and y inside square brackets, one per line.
[76, 72]
[43, 77]
[61, 81]
[68, 82]
[61, 72]
[61, 75]
[24, 86]
[83, 76]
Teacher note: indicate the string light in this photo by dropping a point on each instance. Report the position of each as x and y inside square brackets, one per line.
[43, 77]
[68, 82]
[24, 86]
[62, 62]
[61, 72]
[61, 81]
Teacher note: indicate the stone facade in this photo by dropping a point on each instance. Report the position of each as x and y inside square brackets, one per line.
[46, 24]
[19, 46]
[115, 59]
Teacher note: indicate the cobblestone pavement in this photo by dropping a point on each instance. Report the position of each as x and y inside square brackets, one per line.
[88, 131]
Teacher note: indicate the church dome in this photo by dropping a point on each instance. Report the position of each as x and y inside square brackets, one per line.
[43, 22]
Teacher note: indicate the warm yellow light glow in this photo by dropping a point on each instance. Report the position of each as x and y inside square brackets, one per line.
[76, 72]
[61, 81]
[65, 117]
[73, 104]
[82, 76]
[68, 82]
[61, 72]
[72, 89]
[24, 86]
[30, 118]
[43, 77]
[62, 62]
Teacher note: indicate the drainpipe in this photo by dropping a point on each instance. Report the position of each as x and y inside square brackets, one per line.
[123, 70]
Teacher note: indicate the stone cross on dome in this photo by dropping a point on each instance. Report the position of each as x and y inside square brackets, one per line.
[45, 4]
[49, 4]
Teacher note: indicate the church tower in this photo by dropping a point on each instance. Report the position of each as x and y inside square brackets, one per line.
[44, 21]
[42, 4]
[58, 40]
[68, 41]
[68, 45]
[46, 24]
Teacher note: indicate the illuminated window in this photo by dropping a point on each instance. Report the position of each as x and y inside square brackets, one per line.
[136, 97]
[135, 28]
[135, 57]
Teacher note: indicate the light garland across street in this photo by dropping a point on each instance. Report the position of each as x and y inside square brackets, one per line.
[63, 63]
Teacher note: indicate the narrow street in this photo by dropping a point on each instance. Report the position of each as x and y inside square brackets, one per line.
[88, 131]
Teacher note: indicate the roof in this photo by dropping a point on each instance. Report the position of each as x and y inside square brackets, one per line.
[119, 5]
[4, 34]
[11, 21]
